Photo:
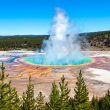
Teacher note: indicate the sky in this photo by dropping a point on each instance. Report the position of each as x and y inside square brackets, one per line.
[19, 17]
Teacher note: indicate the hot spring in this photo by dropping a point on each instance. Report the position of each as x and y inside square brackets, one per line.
[62, 48]
[40, 60]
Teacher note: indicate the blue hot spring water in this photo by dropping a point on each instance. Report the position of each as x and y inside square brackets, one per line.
[40, 60]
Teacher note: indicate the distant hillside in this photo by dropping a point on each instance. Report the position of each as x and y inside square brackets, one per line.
[90, 34]
[87, 35]
[22, 42]
[96, 39]
[24, 36]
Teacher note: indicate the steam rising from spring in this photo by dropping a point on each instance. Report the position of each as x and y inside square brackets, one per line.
[61, 47]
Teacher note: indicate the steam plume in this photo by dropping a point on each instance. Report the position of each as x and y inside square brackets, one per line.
[62, 48]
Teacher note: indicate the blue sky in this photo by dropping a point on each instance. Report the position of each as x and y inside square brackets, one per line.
[35, 16]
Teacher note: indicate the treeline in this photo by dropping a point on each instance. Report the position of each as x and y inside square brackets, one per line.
[33, 42]
[59, 98]
[30, 42]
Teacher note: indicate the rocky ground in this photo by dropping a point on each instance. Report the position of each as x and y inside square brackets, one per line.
[96, 75]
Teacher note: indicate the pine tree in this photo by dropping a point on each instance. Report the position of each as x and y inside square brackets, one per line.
[95, 103]
[104, 102]
[40, 101]
[64, 95]
[8, 96]
[54, 98]
[101, 103]
[71, 102]
[29, 102]
[81, 99]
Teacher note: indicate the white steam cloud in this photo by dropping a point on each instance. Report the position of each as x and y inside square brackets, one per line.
[62, 48]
